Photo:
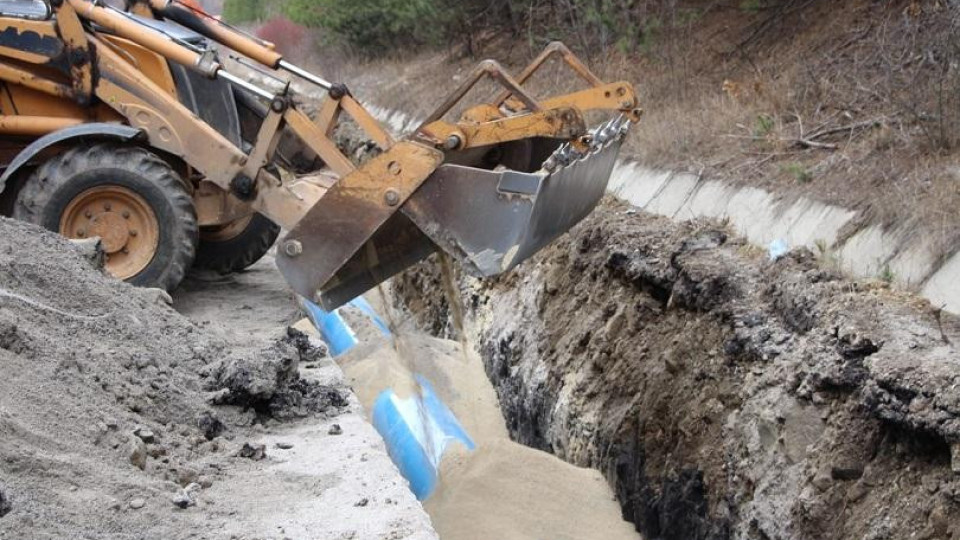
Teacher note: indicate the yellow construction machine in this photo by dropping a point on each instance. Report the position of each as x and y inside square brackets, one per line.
[124, 124]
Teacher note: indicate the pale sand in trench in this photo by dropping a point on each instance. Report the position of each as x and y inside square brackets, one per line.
[502, 490]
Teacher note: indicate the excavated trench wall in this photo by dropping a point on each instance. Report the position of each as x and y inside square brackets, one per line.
[722, 395]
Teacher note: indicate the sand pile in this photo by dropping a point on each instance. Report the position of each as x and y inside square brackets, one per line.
[116, 412]
[502, 489]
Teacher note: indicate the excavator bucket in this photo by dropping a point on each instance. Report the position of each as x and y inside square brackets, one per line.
[487, 220]
[490, 221]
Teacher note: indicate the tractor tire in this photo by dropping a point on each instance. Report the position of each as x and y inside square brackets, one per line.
[127, 196]
[235, 246]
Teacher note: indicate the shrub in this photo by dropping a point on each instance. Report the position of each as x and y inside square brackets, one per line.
[288, 36]
[373, 26]
[764, 125]
[240, 11]
[799, 172]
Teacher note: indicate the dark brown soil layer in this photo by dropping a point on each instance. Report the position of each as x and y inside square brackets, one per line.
[723, 395]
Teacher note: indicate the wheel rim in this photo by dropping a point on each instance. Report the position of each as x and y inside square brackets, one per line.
[225, 232]
[128, 228]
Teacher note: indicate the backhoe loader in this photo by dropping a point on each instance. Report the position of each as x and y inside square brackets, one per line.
[125, 124]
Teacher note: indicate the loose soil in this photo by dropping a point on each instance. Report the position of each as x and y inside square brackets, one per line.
[120, 418]
[501, 489]
[722, 395]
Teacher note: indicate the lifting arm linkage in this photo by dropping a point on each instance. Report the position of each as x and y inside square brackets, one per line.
[617, 96]
[212, 28]
[128, 28]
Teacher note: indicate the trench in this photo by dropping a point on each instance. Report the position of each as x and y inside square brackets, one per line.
[500, 488]
[719, 394]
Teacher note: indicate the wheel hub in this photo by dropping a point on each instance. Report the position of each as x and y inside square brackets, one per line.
[112, 229]
[126, 225]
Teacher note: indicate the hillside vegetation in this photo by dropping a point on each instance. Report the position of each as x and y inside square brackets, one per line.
[854, 103]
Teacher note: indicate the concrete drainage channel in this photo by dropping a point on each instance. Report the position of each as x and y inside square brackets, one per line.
[901, 254]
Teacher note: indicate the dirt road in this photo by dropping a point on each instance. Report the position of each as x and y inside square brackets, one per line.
[323, 485]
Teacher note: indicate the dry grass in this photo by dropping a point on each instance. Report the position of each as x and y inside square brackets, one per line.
[853, 103]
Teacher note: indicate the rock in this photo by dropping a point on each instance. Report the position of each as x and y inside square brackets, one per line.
[137, 450]
[284, 445]
[158, 296]
[205, 481]
[137, 503]
[254, 381]
[270, 384]
[823, 479]
[672, 362]
[145, 434]
[218, 397]
[802, 427]
[938, 520]
[210, 425]
[955, 458]
[930, 483]
[846, 472]
[5, 505]
[254, 452]
[186, 497]
[182, 500]
[90, 249]
[187, 476]
[335, 430]
[362, 502]
[857, 492]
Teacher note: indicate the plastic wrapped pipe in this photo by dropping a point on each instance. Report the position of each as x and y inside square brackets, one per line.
[418, 429]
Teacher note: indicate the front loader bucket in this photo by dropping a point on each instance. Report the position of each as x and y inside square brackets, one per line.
[488, 220]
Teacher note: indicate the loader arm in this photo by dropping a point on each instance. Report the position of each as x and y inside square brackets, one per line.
[490, 188]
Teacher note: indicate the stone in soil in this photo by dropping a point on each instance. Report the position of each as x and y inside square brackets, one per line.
[270, 384]
[145, 434]
[5, 505]
[255, 452]
[137, 452]
[210, 425]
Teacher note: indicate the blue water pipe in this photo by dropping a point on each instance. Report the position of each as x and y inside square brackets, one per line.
[418, 429]
[335, 330]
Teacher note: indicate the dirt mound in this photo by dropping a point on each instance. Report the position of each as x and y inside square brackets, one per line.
[723, 395]
[105, 399]
[269, 382]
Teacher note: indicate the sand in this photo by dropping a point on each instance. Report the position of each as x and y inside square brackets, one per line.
[106, 409]
[501, 490]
